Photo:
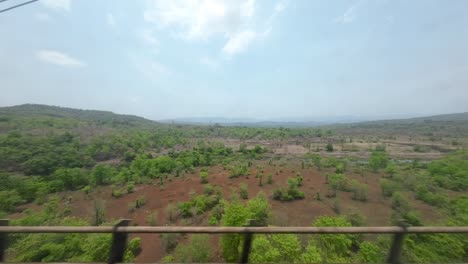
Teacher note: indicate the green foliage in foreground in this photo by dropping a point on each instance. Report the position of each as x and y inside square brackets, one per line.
[237, 214]
[63, 247]
[197, 250]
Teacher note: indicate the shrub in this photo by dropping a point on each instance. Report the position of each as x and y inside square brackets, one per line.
[197, 250]
[208, 189]
[243, 191]
[339, 182]
[388, 187]
[431, 197]
[130, 187]
[152, 218]
[236, 171]
[134, 246]
[204, 177]
[169, 241]
[269, 178]
[140, 202]
[378, 160]
[359, 191]
[299, 179]
[289, 194]
[400, 202]
[329, 147]
[171, 213]
[117, 193]
[86, 189]
[213, 221]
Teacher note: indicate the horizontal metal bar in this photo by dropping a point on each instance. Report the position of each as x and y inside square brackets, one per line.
[224, 230]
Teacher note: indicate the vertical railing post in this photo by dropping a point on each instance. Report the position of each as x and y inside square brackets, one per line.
[119, 241]
[3, 240]
[397, 246]
[248, 242]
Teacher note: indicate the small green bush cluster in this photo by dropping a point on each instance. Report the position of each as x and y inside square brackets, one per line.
[243, 191]
[388, 187]
[237, 171]
[198, 205]
[292, 192]
[359, 191]
[204, 177]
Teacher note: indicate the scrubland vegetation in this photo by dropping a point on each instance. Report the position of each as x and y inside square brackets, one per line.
[72, 167]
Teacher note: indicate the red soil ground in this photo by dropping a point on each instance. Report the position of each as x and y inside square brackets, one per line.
[377, 210]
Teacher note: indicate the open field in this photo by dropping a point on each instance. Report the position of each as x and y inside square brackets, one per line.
[66, 167]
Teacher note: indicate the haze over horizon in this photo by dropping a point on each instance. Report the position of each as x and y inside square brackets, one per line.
[262, 60]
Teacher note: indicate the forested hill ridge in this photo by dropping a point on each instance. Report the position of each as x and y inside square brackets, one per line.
[45, 115]
[40, 111]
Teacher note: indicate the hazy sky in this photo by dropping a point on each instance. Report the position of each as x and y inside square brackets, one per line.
[239, 58]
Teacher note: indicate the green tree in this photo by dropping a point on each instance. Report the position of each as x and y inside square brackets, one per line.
[334, 248]
[311, 254]
[370, 253]
[197, 250]
[235, 214]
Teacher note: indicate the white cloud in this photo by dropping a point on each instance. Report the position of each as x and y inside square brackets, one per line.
[280, 6]
[350, 14]
[57, 5]
[239, 42]
[59, 58]
[110, 19]
[200, 19]
[43, 17]
[233, 20]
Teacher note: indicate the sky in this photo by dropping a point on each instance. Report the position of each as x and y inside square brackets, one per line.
[256, 59]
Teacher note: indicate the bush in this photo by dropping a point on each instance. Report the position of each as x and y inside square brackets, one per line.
[117, 193]
[359, 191]
[86, 189]
[378, 160]
[140, 202]
[204, 177]
[291, 193]
[236, 171]
[388, 187]
[169, 241]
[213, 221]
[208, 189]
[134, 246]
[130, 187]
[329, 147]
[339, 182]
[400, 202]
[152, 218]
[197, 250]
[243, 191]
[269, 178]
[431, 197]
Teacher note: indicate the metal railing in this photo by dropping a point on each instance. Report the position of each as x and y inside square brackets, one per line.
[121, 230]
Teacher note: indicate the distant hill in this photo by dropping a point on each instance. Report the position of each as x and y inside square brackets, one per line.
[240, 122]
[36, 115]
[306, 123]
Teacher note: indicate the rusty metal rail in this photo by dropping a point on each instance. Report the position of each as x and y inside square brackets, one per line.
[121, 230]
